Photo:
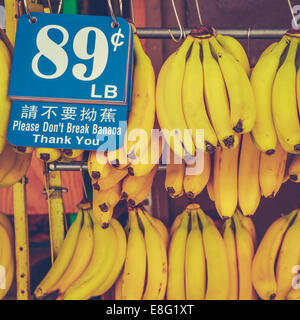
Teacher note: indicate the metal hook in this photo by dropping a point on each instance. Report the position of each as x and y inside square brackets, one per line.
[182, 33]
[291, 9]
[132, 11]
[115, 23]
[31, 18]
[59, 6]
[199, 13]
[121, 7]
[248, 43]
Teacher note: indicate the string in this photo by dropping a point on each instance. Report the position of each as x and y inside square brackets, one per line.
[199, 13]
[179, 24]
[292, 13]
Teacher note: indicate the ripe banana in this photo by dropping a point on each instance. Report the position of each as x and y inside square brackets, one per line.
[268, 49]
[271, 172]
[22, 150]
[216, 98]
[193, 103]
[234, 47]
[245, 253]
[262, 78]
[5, 105]
[248, 176]
[174, 176]
[48, 154]
[169, 101]
[63, 259]
[119, 261]
[284, 101]
[134, 273]
[294, 169]
[240, 93]
[19, 170]
[218, 286]
[226, 181]
[5, 221]
[142, 112]
[195, 266]
[80, 258]
[104, 203]
[72, 153]
[114, 177]
[8, 160]
[248, 224]
[230, 244]
[159, 226]
[210, 186]
[118, 158]
[176, 261]
[263, 272]
[195, 181]
[294, 294]
[289, 257]
[98, 166]
[157, 265]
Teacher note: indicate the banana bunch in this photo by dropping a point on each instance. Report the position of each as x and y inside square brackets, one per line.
[275, 267]
[274, 80]
[294, 169]
[14, 165]
[7, 255]
[205, 85]
[144, 276]
[198, 266]
[89, 262]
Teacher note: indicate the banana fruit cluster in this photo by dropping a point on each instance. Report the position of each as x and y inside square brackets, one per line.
[276, 264]
[89, 262]
[144, 276]
[205, 85]
[274, 80]
[206, 262]
[7, 255]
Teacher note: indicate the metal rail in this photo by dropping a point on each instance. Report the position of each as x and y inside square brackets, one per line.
[163, 33]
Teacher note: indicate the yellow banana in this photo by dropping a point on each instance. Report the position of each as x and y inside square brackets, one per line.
[8, 160]
[194, 181]
[6, 222]
[21, 166]
[195, 265]
[72, 153]
[104, 203]
[289, 257]
[176, 223]
[268, 49]
[284, 101]
[193, 103]
[80, 259]
[218, 286]
[240, 93]
[100, 266]
[262, 79]
[225, 181]
[118, 158]
[216, 98]
[294, 293]
[234, 47]
[118, 288]
[149, 158]
[136, 189]
[245, 253]
[22, 150]
[248, 224]
[294, 169]
[176, 261]
[98, 166]
[248, 176]
[169, 101]
[142, 112]
[134, 273]
[48, 154]
[157, 265]
[230, 244]
[210, 186]
[159, 226]
[114, 177]
[263, 273]
[271, 171]
[5, 104]
[119, 261]
[63, 259]
[174, 177]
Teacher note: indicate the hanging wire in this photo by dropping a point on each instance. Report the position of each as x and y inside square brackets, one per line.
[199, 13]
[31, 18]
[291, 9]
[115, 23]
[248, 44]
[59, 6]
[121, 7]
[50, 6]
[182, 33]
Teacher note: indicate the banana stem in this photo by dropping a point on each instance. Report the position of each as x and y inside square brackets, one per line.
[21, 240]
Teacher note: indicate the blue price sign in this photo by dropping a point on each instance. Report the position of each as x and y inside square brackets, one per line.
[70, 62]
